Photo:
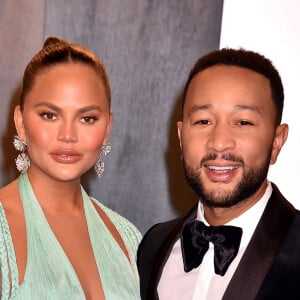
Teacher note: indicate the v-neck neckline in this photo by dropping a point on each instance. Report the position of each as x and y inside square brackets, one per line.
[29, 198]
[109, 257]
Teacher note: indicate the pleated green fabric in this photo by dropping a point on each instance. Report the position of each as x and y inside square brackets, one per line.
[49, 273]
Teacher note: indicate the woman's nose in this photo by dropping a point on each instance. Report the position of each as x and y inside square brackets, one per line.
[67, 133]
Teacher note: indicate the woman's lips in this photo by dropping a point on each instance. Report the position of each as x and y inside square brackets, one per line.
[66, 156]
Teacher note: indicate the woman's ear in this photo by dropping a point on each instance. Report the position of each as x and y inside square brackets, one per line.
[281, 134]
[106, 139]
[19, 124]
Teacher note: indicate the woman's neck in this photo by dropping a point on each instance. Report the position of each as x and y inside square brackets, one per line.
[56, 195]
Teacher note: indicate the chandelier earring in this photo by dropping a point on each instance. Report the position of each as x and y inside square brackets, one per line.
[22, 160]
[99, 166]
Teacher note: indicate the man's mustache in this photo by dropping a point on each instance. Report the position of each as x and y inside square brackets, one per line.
[224, 156]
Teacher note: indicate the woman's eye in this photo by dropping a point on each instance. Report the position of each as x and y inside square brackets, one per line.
[48, 116]
[88, 119]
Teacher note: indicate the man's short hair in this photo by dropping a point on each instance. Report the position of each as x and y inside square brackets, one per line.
[244, 59]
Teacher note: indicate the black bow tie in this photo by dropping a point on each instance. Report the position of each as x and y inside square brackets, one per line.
[195, 238]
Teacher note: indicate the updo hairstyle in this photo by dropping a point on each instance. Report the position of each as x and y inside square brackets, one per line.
[58, 51]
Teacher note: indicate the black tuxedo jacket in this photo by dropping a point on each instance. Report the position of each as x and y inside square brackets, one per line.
[269, 268]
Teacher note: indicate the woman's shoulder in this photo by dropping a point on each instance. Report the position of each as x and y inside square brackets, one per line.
[11, 208]
[10, 197]
[9, 269]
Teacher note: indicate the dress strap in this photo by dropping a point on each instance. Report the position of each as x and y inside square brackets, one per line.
[119, 281]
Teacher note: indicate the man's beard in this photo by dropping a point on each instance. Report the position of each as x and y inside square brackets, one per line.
[251, 180]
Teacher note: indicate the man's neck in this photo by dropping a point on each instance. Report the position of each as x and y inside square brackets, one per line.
[217, 216]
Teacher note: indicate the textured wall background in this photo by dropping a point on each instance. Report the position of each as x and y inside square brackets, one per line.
[21, 34]
[148, 47]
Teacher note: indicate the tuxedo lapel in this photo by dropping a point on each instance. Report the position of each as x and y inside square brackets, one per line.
[262, 249]
[165, 249]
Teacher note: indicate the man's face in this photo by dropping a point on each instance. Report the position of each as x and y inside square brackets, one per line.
[228, 135]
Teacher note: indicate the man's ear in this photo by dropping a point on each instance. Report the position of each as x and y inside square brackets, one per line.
[179, 132]
[281, 134]
[19, 124]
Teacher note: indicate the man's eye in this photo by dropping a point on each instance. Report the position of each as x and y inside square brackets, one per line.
[245, 123]
[203, 122]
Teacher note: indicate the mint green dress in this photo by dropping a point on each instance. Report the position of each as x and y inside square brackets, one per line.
[49, 273]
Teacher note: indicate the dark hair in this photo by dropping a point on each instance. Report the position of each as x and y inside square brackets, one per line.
[58, 51]
[244, 59]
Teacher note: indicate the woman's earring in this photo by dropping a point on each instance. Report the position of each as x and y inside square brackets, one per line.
[99, 166]
[22, 160]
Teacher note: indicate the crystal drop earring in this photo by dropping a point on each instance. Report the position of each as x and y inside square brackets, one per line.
[22, 160]
[99, 166]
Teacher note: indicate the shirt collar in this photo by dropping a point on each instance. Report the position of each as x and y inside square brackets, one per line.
[249, 219]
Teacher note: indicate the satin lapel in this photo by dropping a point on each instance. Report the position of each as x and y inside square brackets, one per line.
[262, 249]
[165, 249]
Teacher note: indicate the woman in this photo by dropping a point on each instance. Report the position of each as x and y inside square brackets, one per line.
[55, 241]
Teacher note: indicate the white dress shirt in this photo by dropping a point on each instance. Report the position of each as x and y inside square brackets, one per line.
[202, 283]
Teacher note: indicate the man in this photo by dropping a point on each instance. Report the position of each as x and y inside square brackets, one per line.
[230, 133]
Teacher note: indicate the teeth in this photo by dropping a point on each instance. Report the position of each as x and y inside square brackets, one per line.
[222, 169]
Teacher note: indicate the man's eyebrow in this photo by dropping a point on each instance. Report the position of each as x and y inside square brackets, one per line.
[254, 108]
[196, 108]
[248, 107]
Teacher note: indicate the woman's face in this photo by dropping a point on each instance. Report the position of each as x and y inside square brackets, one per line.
[65, 121]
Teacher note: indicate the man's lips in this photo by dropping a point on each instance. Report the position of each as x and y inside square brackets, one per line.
[65, 156]
[221, 173]
[221, 169]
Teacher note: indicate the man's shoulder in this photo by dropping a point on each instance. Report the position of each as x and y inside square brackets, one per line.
[153, 248]
[163, 234]
[282, 280]
[296, 221]
[162, 227]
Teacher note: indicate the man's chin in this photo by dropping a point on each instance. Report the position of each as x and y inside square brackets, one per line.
[219, 198]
